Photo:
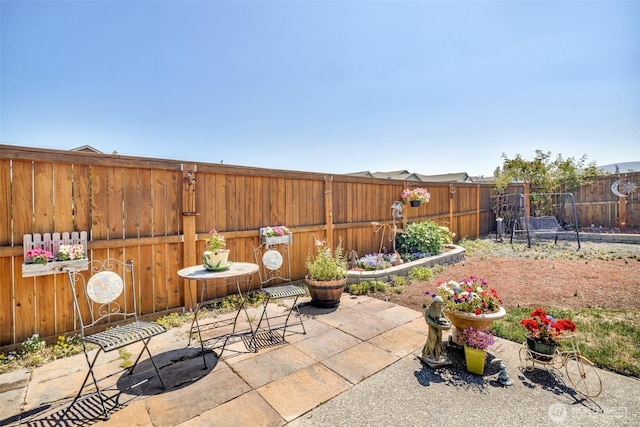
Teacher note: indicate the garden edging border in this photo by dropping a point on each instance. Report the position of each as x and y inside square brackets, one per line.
[452, 255]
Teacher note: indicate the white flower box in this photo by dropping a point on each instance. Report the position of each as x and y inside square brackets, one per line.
[53, 267]
[276, 240]
[52, 242]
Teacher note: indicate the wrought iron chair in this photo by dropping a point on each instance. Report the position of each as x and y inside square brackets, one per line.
[104, 296]
[273, 260]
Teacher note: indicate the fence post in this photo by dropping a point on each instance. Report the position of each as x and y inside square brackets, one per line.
[477, 211]
[452, 193]
[189, 228]
[328, 209]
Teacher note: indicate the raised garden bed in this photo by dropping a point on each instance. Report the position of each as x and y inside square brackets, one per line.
[451, 255]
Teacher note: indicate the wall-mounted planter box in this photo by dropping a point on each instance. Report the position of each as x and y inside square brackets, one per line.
[53, 267]
[51, 242]
[274, 240]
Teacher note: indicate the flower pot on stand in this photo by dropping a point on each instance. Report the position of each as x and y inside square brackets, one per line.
[475, 359]
[325, 293]
[462, 320]
[216, 260]
[541, 349]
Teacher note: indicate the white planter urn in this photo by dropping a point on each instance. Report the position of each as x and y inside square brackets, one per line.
[216, 260]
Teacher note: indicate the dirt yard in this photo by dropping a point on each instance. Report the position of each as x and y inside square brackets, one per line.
[599, 275]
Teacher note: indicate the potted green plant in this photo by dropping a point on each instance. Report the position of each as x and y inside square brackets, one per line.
[543, 332]
[469, 303]
[416, 196]
[476, 342]
[216, 256]
[327, 274]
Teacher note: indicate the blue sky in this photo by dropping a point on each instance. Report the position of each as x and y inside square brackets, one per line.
[325, 86]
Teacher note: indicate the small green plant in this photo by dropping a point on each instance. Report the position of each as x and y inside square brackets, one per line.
[363, 288]
[420, 274]
[125, 355]
[399, 281]
[33, 345]
[360, 288]
[66, 346]
[173, 320]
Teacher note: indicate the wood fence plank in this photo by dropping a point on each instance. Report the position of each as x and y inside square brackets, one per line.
[230, 203]
[258, 195]
[147, 293]
[21, 197]
[175, 296]
[5, 208]
[116, 211]
[145, 203]
[131, 182]
[62, 191]
[99, 200]
[159, 270]
[158, 202]
[45, 306]
[81, 197]
[173, 203]
[24, 304]
[6, 303]
[64, 315]
[43, 197]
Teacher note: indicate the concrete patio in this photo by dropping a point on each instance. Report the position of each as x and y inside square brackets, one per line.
[356, 365]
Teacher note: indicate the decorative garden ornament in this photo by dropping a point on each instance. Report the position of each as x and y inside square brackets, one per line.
[433, 354]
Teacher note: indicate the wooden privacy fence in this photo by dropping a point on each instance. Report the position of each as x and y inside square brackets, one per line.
[158, 212]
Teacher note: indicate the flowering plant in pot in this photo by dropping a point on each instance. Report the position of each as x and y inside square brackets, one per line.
[480, 339]
[327, 274]
[476, 342]
[543, 331]
[39, 256]
[470, 295]
[417, 195]
[215, 256]
[70, 252]
[469, 303]
[215, 241]
[277, 231]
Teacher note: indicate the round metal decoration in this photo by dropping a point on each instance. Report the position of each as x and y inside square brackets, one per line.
[104, 287]
[272, 259]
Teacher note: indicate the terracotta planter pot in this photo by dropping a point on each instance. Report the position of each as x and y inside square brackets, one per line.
[325, 294]
[462, 320]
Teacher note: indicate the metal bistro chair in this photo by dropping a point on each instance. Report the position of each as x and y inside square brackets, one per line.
[270, 259]
[107, 294]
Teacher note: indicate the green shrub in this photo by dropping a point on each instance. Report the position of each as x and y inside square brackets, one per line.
[423, 239]
[419, 274]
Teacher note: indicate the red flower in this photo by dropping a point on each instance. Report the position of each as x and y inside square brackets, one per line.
[565, 325]
[478, 312]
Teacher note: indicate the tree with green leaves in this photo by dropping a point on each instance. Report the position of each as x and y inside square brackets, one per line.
[545, 175]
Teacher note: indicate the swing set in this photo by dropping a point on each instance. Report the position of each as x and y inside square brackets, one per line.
[545, 215]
